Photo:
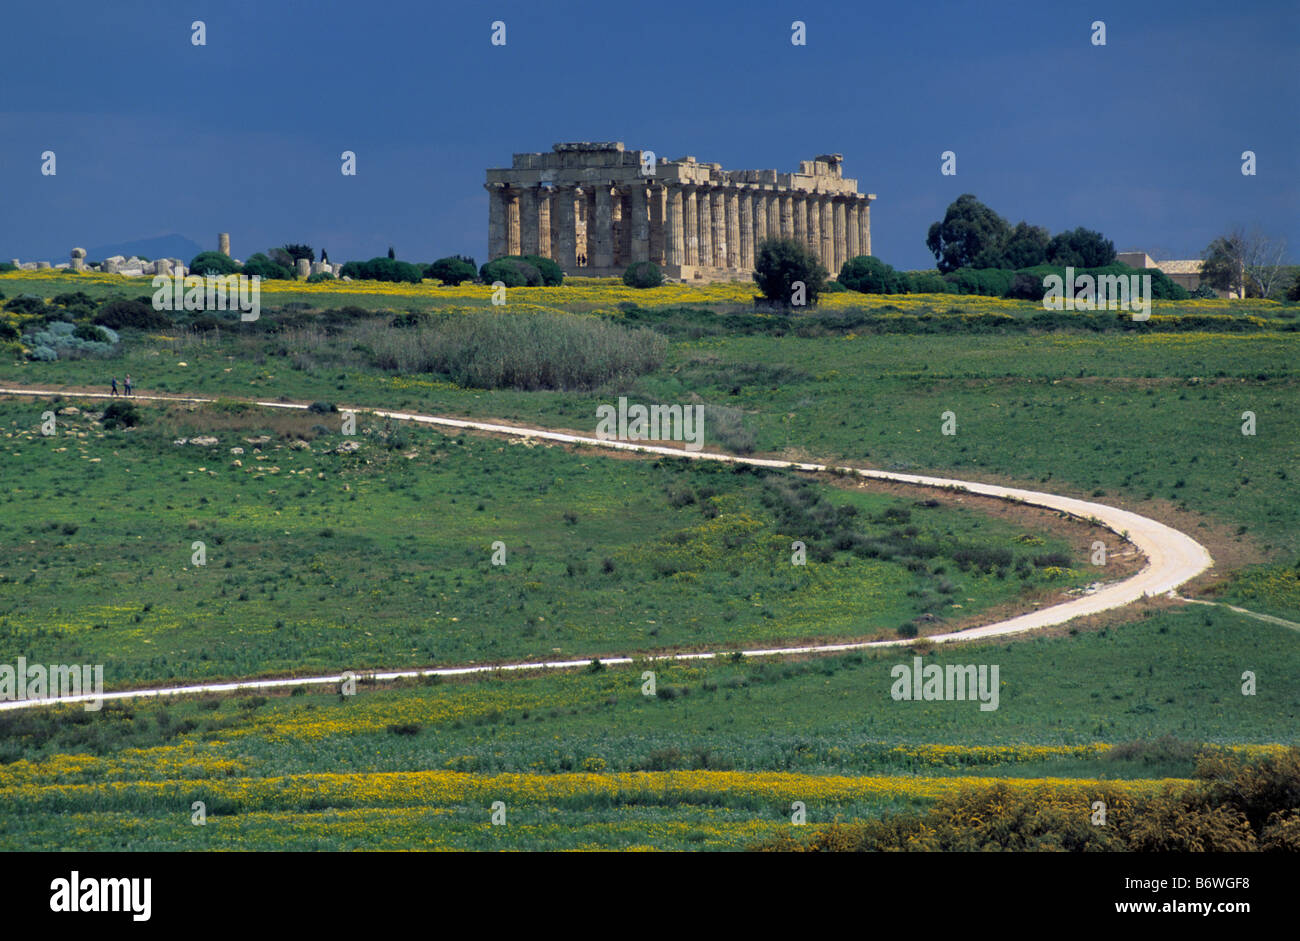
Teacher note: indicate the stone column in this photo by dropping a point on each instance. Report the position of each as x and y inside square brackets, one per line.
[800, 219]
[542, 195]
[657, 193]
[675, 239]
[733, 228]
[600, 242]
[496, 220]
[827, 253]
[787, 215]
[223, 243]
[746, 229]
[618, 229]
[760, 219]
[690, 222]
[512, 221]
[639, 225]
[774, 215]
[304, 269]
[814, 225]
[706, 226]
[841, 238]
[529, 243]
[719, 204]
[566, 226]
[78, 262]
[851, 227]
[864, 226]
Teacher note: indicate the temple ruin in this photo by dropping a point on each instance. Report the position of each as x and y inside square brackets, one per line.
[596, 208]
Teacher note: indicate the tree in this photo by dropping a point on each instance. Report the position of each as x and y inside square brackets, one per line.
[392, 254]
[1294, 293]
[1249, 263]
[205, 263]
[870, 275]
[260, 266]
[970, 235]
[779, 263]
[1026, 246]
[452, 270]
[1081, 248]
[296, 251]
[643, 274]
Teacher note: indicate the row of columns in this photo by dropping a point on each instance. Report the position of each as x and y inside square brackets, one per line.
[675, 224]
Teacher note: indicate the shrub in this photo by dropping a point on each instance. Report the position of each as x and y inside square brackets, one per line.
[92, 333]
[320, 276]
[8, 331]
[6, 266]
[928, 282]
[1204, 291]
[1026, 287]
[643, 274]
[512, 272]
[552, 274]
[260, 266]
[120, 313]
[26, 304]
[452, 270]
[43, 354]
[383, 269]
[120, 415]
[870, 275]
[321, 408]
[779, 263]
[1293, 294]
[213, 263]
[521, 351]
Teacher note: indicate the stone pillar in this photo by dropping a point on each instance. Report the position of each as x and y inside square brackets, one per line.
[774, 215]
[600, 242]
[705, 197]
[566, 226]
[746, 260]
[304, 269]
[733, 228]
[719, 204]
[827, 253]
[319, 267]
[657, 194]
[800, 219]
[512, 221]
[851, 228]
[108, 266]
[161, 266]
[690, 222]
[528, 231]
[814, 225]
[787, 215]
[760, 219]
[542, 196]
[675, 238]
[496, 220]
[841, 237]
[223, 243]
[864, 226]
[618, 229]
[639, 225]
[78, 257]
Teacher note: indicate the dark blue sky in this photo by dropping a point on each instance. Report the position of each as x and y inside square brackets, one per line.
[1140, 139]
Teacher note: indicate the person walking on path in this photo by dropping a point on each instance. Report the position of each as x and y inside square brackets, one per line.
[115, 385]
[128, 384]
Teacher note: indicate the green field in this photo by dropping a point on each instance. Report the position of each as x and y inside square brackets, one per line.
[385, 561]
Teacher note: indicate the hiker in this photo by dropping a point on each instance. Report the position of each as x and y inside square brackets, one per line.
[115, 385]
[127, 384]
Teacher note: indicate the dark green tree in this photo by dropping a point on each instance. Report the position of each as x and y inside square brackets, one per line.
[779, 263]
[971, 235]
[1081, 248]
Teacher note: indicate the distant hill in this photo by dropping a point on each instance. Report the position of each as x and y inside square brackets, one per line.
[164, 246]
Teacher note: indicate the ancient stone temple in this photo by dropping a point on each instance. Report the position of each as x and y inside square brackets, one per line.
[595, 208]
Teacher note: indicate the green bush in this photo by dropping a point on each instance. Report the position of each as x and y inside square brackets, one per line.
[6, 266]
[320, 276]
[834, 287]
[779, 263]
[26, 304]
[1204, 291]
[870, 275]
[119, 313]
[260, 266]
[120, 415]
[493, 350]
[452, 270]
[643, 274]
[8, 331]
[383, 269]
[1293, 294]
[993, 282]
[91, 333]
[552, 273]
[212, 263]
[512, 272]
[928, 282]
